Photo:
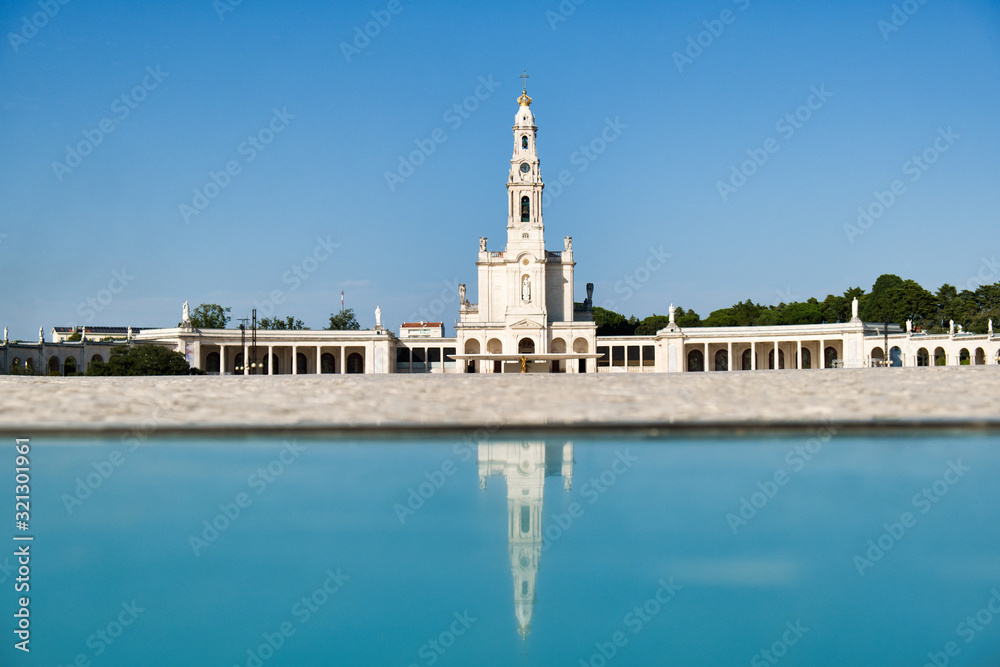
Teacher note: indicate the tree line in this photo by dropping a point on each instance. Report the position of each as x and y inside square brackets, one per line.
[214, 316]
[891, 300]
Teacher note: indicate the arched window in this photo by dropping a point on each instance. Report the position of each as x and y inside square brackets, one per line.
[895, 357]
[980, 356]
[69, 366]
[940, 358]
[327, 363]
[696, 361]
[964, 358]
[16, 363]
[806, 358]
[526, 346]
[722, 360]
[923, 357]
[29, 363]
[745, 360]
[54, 364]
[830, 355]
[781, 359]
[525, 209]
[301, 363]
[355, 363]
[238, 363]
[524, 141]
[525, 519]
[212, 362]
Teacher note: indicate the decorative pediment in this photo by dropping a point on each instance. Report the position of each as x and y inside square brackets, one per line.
[526, 324]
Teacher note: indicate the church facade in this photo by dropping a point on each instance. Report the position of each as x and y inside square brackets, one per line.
[526, 319]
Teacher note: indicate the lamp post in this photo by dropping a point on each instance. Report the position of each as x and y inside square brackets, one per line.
[243, 346]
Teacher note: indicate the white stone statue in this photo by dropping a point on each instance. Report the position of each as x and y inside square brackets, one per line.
[568, 243]
[854, 308]
[673, 312]
[482, 244]
[186, 313]
[909, 326]
[5, 335]
[128, 337]
[461, 294]
[525, 289]
[41, 335]
[378, 316]
[960, 329]
[951, 327]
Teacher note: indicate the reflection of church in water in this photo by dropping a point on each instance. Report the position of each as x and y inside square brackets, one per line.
[525, 465]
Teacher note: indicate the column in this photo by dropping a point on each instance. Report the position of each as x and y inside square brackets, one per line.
[319, 359]
[821, 363]
[753, 355]
[776, 365]
[270, 361]
[295, 360]
[729, 355]
[246, 359]
[343, 361]
[222, 359]
[798, 358]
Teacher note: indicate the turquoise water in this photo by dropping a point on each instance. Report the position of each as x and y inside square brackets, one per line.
[847, 551]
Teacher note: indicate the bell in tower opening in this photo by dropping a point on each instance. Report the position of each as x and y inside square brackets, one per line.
[525, 210]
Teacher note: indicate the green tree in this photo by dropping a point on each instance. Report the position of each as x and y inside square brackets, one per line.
[343, 321]
[144, 359]
[650, 325]
[610, 323]
[74, 337]
[687, 318]
[210, 316]
[808, 312]
[276, 323]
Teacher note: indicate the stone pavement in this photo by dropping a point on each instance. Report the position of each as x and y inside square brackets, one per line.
[961, 397]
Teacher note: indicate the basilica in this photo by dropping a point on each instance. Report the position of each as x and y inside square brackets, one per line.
[527, 319]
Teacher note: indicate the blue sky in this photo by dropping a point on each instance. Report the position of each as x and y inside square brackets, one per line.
[330, 121]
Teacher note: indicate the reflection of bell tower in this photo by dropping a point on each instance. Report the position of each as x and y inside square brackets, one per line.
[525, 465]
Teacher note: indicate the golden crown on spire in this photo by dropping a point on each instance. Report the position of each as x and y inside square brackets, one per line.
[524, 100]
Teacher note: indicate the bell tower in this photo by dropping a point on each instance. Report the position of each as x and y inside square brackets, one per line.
[525, 230]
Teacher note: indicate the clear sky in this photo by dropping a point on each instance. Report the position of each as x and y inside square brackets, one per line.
[113, 114]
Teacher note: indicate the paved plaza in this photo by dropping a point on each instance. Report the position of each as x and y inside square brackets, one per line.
[966, 397]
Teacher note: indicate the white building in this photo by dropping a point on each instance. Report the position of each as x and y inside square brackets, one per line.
[525, 320]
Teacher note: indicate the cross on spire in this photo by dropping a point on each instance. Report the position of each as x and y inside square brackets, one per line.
[524, 76]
